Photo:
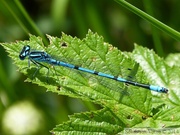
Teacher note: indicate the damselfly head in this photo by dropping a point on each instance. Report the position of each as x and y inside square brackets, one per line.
[24, 52]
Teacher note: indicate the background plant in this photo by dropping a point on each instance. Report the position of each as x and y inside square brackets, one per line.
[116, 24]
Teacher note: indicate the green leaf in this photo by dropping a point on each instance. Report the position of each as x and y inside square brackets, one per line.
[123, 106]
[173, 59]
[159, 72]
[102, 121]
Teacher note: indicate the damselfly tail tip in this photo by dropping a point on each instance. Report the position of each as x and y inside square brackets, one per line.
[165, 90]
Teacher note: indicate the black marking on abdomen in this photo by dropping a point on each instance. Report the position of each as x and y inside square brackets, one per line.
[76, 67]
[115, 78]
[54, 62]
[96, 73]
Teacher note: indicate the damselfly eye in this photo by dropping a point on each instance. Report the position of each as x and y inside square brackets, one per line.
[22, 57]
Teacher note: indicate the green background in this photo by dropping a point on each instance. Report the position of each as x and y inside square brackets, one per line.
[116, 24]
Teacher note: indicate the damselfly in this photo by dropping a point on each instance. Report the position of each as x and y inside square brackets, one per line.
[38, 57]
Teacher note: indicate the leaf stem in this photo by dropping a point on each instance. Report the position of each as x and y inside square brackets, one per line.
[173, 33]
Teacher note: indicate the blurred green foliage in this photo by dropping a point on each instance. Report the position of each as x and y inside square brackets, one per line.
[116, 24]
